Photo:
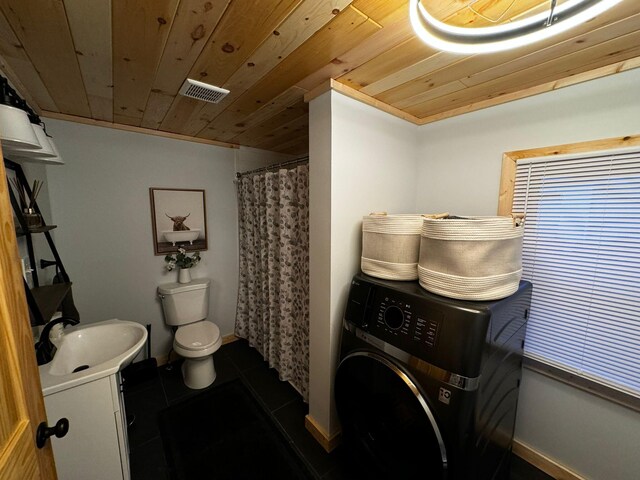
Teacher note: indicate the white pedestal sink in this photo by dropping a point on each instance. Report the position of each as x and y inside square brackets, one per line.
[83, 384]
[104, 347]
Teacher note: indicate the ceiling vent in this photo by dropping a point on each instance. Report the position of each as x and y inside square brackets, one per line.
[202, 91]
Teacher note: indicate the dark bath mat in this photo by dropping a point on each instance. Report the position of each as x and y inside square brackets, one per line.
[223, 433]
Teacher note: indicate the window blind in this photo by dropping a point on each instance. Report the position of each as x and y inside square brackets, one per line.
[581, 251]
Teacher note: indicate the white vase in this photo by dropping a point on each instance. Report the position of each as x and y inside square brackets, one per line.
[184, 275]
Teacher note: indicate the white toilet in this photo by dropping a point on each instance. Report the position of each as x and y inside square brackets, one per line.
[186, 306]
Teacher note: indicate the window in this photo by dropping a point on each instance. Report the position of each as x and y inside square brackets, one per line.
[581, 251]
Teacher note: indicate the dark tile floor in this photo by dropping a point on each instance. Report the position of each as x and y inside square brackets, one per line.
[237, 360]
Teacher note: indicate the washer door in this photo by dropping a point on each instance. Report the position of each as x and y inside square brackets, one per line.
[385, 416]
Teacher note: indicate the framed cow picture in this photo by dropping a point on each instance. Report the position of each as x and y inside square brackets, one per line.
[179, 218]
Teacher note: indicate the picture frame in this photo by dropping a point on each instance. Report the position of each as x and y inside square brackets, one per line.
[179, 219]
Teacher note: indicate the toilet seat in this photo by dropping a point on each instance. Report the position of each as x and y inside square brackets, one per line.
[197, 339]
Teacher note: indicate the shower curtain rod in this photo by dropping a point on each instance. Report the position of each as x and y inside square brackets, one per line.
[275, 166]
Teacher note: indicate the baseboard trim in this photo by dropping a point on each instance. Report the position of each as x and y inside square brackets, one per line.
[162, 360]
[327, 442]
[544, 463]
[229, 339]
[528, 454]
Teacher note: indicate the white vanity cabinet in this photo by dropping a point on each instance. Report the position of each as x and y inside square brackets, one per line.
[96, 446]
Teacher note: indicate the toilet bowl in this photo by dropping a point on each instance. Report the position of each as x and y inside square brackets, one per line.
[186, 306]
[196, 343]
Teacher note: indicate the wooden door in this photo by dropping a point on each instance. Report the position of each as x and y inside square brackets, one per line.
[21, 402]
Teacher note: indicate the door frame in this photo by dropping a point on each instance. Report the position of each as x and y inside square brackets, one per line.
[19, 457]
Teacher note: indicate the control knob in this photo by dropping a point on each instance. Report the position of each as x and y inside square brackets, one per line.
[393, 317]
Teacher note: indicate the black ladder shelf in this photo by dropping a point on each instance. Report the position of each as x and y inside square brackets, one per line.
[43, 300]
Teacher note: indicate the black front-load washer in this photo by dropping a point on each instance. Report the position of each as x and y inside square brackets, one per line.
[427, 386]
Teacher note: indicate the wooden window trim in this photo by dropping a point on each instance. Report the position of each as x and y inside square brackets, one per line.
[505, 202]
[510, 159]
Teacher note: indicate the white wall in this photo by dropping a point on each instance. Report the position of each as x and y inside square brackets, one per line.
[249, 158]
[459, 172]
[461, 157]
[361, 160]
[320, 347]
[100, 202]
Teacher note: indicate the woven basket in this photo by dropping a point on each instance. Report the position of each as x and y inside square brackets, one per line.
[391, 246]
[471, 258]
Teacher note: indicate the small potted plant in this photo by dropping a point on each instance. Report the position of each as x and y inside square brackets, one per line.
[184, 262]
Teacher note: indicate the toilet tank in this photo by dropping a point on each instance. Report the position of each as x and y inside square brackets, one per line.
[185, 303]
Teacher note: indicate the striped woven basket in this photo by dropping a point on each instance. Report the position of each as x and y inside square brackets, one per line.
[471, 258]
[391, 246]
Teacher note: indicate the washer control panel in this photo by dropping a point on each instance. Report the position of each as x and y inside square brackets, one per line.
[401, 318]
[450, 334]
[394, 317]
[405, 321]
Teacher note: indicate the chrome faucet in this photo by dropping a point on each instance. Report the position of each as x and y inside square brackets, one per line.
[44, 348]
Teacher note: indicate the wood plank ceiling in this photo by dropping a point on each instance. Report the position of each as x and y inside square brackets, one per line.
[123, 61]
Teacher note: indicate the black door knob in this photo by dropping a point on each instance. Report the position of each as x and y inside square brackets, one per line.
[44, 431]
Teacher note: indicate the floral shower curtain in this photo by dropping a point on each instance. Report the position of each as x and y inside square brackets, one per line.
[273, 292]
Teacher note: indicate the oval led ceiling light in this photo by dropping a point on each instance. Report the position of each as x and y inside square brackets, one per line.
[504, 36]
